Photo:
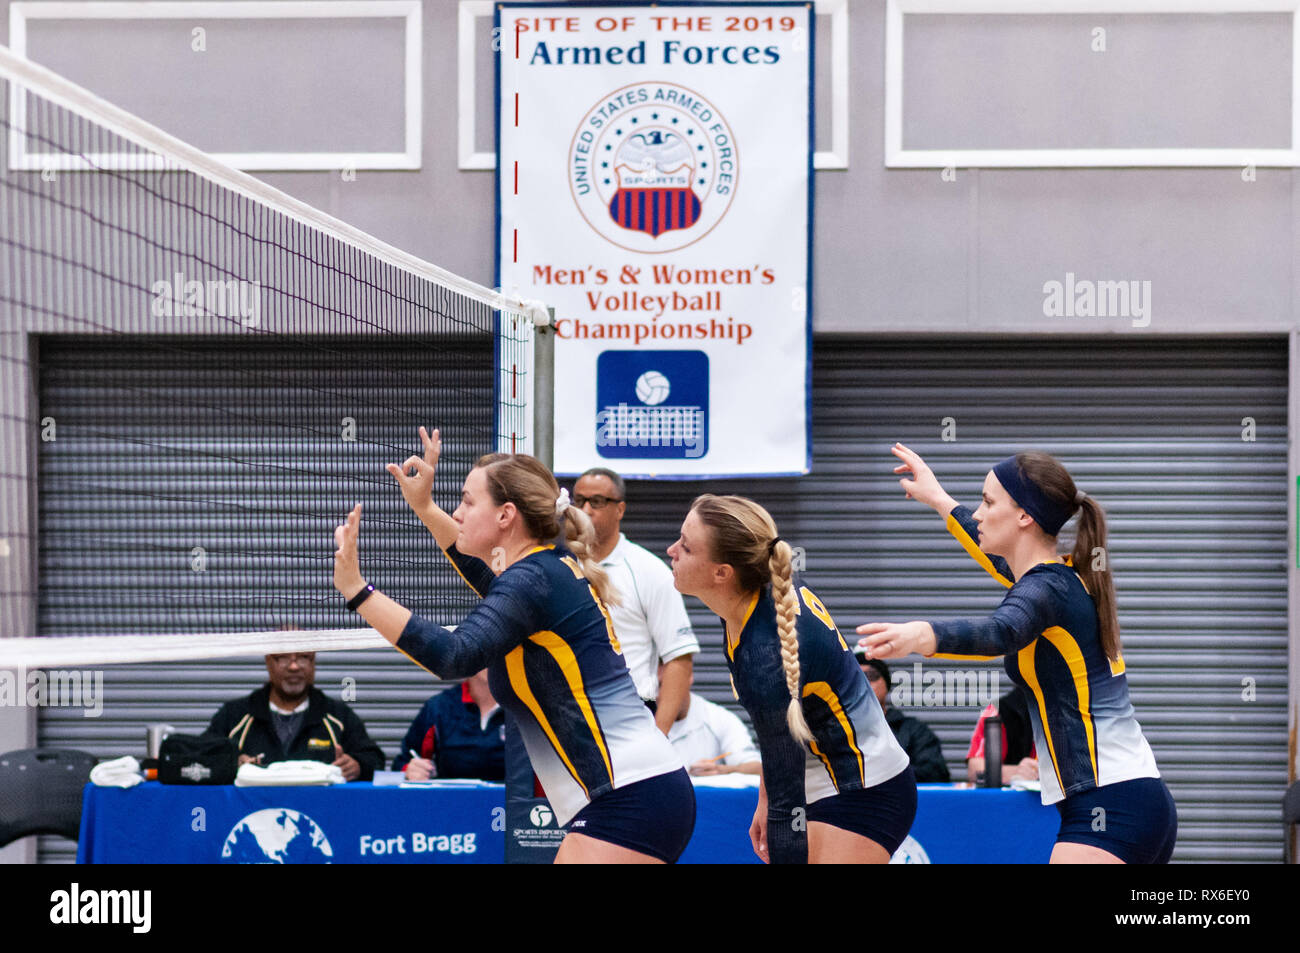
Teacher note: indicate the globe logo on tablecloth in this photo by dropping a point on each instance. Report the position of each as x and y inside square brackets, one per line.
[910, 852]
[652, 388]
[277, 835]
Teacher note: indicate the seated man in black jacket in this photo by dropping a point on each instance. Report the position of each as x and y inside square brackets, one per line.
[913, 735]
[288, 719]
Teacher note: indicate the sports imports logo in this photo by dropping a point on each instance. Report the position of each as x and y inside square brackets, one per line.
[653, 167]
[541, 815]
[634, 415]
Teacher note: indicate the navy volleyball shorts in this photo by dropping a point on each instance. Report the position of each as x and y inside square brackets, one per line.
[1137, 820]
[655, 816]
[883, 813]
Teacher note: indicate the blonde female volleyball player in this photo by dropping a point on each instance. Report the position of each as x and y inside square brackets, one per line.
[545, 637]
[829, 758]
[1059, 633]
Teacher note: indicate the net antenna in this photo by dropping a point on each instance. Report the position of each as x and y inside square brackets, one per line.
[200, 376]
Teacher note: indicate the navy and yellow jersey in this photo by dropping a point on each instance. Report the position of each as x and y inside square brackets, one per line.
[852, 747]
[1047, 629]
[554, 664]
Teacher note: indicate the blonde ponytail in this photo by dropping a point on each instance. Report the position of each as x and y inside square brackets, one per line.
[787, 607]
[745, 537]
[580, 537]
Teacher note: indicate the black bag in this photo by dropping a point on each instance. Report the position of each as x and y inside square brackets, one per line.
[197, 759]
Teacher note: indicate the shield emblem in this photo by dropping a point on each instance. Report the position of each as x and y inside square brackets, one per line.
[654, 168]
[655, 211]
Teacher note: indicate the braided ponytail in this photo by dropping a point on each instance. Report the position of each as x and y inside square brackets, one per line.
[787, 607]
[745, 538]
[580, 537]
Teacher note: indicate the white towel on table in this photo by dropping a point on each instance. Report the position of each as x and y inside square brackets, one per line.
[288, 774]
[119, 773]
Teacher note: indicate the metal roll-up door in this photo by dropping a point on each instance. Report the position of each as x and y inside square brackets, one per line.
[1153, 429]
[256, 431]
[1195, 493]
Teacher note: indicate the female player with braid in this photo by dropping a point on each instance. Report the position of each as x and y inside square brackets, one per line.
[543, 633]
[1058, 630]
[826, 747]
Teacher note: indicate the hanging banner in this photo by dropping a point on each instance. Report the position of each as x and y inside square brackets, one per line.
[654, 186]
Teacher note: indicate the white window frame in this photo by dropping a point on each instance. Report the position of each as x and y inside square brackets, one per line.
[20, 14]
[896, 157]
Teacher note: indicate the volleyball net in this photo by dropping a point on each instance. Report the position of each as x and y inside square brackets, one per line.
[202, 376]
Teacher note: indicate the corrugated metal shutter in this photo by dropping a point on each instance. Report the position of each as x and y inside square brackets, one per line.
[1153, 429]
[164, 445]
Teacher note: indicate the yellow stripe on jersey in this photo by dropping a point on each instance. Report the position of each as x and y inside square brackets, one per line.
[819, 610]
[609, 623]
[826, 761]
[576, 568]
[1025, 659]
[743, 622]
[459, 573]
[1116, 665]
[519, 682]
[965, 658]
[413, 659]
[1073, 655]
[568, 663]
[973, 549]
[827, 694]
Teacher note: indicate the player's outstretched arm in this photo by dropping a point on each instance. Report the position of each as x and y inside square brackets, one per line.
[387, 617]
[415, 479]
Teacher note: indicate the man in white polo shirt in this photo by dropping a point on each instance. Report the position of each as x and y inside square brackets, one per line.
[651, 624]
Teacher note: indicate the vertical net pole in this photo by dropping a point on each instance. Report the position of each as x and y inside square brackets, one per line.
[544, 390]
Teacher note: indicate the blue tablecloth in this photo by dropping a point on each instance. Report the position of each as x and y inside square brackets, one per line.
[362, 823]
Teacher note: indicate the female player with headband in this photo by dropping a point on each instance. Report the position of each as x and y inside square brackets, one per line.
[1059, 633]
[825, 745]
[545, 637]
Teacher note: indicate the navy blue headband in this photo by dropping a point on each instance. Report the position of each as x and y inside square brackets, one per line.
[1047, 512]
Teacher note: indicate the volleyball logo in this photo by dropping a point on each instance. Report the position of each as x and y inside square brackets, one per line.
[652, 388]
[653, 167]
[634, 415]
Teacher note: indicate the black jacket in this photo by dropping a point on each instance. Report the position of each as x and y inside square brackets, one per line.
[921, 745]
[247, 721]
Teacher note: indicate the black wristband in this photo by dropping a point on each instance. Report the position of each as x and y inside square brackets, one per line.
[360, 597]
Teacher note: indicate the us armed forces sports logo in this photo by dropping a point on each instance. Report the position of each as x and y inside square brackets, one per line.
[653, 167]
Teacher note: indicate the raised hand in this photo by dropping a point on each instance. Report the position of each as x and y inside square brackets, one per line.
[347, 567]
[923, 485]
[417, 486]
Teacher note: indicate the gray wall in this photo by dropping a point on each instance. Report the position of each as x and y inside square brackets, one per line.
[894, 249]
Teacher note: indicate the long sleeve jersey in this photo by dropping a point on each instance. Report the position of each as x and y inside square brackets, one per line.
[852, 745]
[555, 665]
[1048, 632]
